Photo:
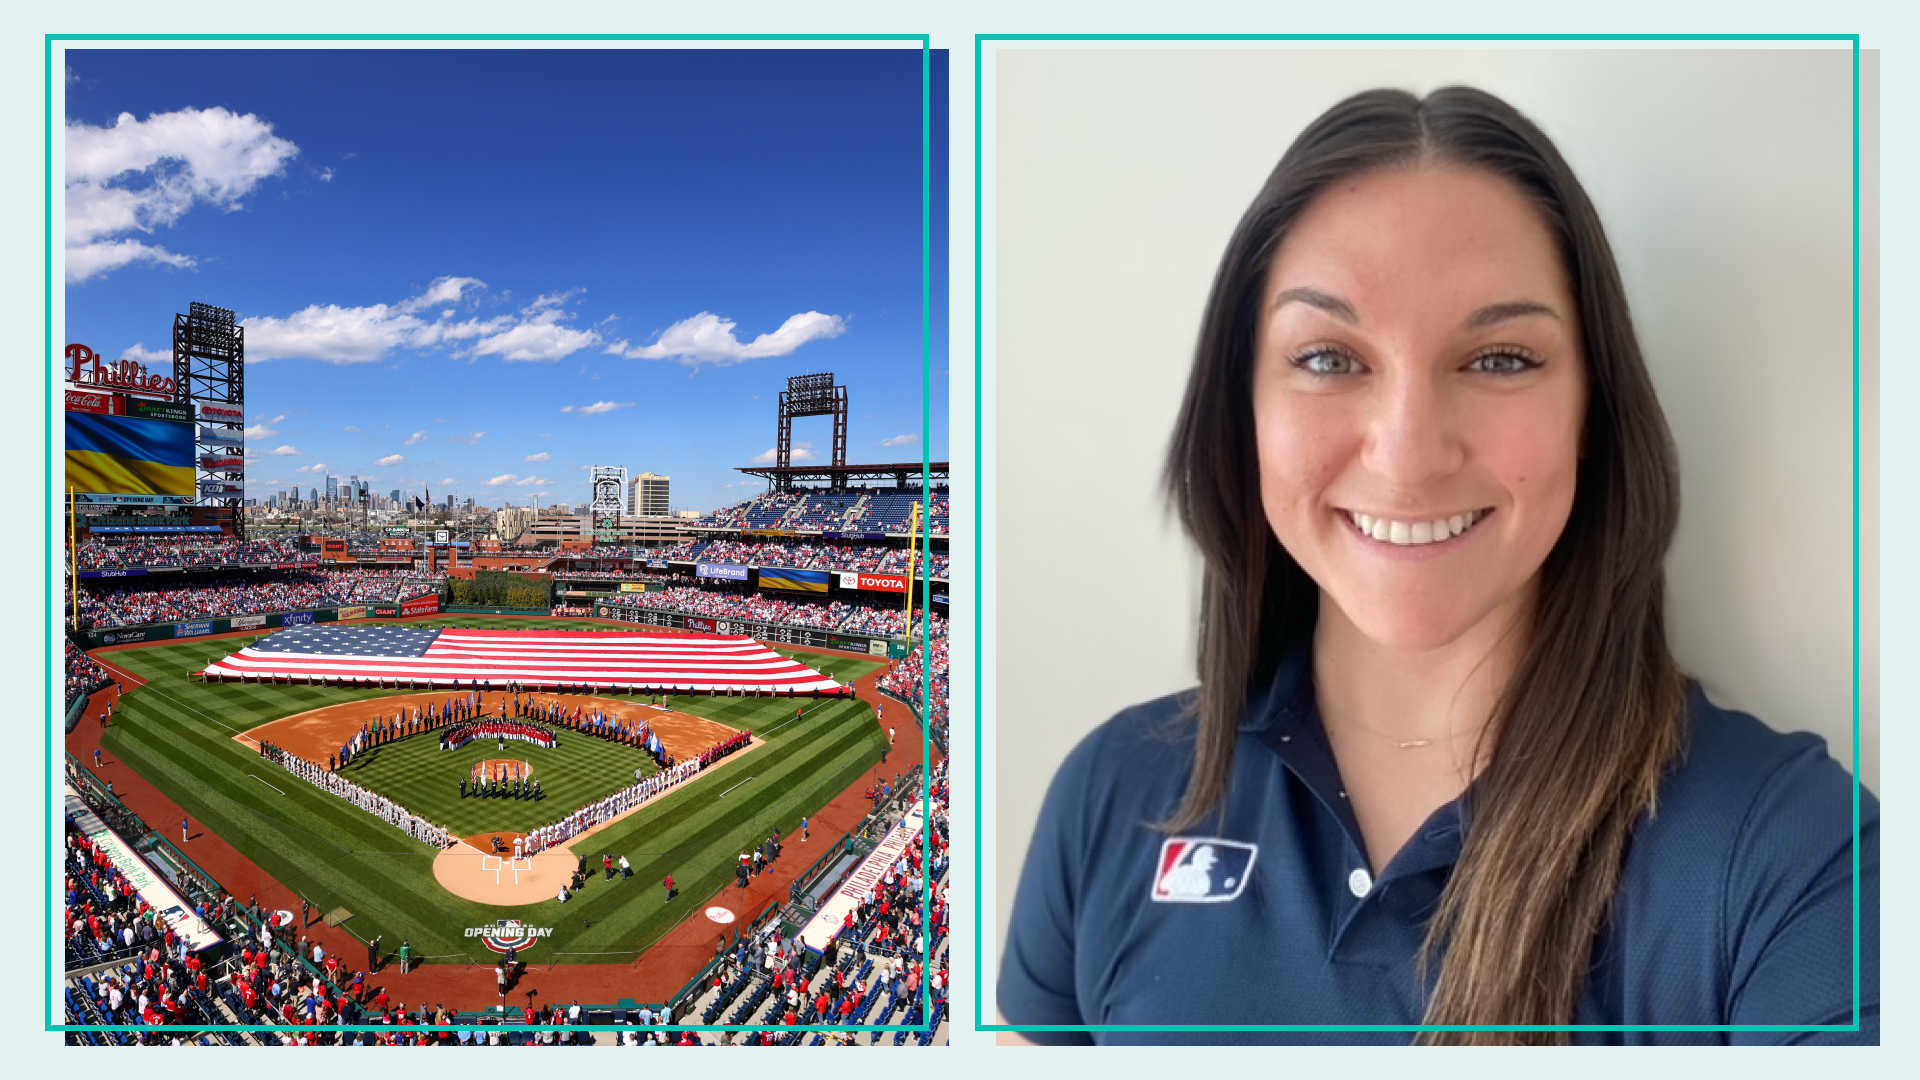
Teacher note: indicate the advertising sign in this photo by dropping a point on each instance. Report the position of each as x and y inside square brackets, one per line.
[221, 461]
[130, 571]
[97, 499]
[440, 536]
[119, 374]
[720, 571]
[848, 579]
[794, 580]
[192, 629]
[420, 605]
[248, 622]
[333, 545]
[654, 565]
[705, 626]
[385, 611]
[296, 618]
[835, 535]
[175, 911]
[221, 436]
[160, 410]
[95, 401]
[343, 614]
[633, 586]
[221, 414]
[892, 583]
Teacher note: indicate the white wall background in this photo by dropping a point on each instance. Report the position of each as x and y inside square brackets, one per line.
[1111, 179]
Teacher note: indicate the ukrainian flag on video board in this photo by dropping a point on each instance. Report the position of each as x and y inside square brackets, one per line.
[780, 577]
[128, 455]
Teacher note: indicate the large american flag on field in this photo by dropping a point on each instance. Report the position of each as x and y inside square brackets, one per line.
[704, 662]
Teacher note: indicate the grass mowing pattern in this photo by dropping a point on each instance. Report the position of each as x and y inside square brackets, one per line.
[178, 735]
[420, 776]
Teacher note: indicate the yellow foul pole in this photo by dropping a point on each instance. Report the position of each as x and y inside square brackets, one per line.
[73, 561]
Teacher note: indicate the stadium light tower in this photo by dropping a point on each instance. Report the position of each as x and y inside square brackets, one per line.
[811, 395]
[209, 377]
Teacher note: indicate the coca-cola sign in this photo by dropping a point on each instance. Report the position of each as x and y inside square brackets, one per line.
[90, 401]
[119, 374]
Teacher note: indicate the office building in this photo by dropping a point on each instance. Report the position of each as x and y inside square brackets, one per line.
[647, 495]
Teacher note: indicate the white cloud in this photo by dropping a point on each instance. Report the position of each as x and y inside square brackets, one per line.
[259, 431]
[141, 175]
[503, 478]
[448, 480]
[326, 174]
[707, 338]
[316, 467]
[596, 408]
[541, 456]
[418, 436]
[286, 451]
[801, 452]
[391, 459]
[363, 335]
[541, 337]
[140, 355]
[900, 440]
[530, 481]
[467, 440]
[349, 427]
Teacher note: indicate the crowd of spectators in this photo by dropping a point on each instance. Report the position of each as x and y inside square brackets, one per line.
[293, 590]
[613, 575]
[903, 680]
[880, 621]
[84, 674]
[380, 586]
[866, 558]
[115, 555]
[870, 974]
[767, 511]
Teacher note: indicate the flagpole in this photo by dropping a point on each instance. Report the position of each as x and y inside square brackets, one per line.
[73, 559]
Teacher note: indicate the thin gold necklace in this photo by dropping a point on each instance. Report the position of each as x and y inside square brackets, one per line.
[1400, 744]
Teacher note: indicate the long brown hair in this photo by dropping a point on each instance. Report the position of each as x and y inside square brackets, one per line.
[1515, 929]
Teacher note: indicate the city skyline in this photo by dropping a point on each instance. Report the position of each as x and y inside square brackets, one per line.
[425, 311]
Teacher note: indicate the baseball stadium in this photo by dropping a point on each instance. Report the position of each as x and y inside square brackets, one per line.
[381, 772]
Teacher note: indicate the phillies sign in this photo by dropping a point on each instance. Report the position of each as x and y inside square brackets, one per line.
[123, 374]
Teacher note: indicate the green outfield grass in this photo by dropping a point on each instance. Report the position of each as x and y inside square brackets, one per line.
[416, 773]
[178, 735]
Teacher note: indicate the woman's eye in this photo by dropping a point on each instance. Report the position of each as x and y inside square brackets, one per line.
[1326, 362]
[1503, 363]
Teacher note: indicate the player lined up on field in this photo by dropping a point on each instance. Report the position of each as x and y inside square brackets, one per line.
[378, 805]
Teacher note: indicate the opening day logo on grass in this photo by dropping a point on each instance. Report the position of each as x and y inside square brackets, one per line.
[509, 934]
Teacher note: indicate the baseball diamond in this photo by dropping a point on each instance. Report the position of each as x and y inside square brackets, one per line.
[198, 744]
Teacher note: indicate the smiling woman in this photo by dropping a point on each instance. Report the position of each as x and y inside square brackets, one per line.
[1442, 768]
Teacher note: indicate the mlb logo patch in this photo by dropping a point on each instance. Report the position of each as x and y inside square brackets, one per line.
[1202, 870]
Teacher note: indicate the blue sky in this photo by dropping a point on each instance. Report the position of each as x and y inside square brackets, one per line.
[497, 267]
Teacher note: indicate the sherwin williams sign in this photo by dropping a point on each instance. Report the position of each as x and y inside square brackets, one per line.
[721, 571]
[192, 629]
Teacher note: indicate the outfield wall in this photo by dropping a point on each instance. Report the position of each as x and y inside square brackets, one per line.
[121, 635]
[807, 637]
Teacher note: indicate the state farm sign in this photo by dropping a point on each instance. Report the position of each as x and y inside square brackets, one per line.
[120, 375]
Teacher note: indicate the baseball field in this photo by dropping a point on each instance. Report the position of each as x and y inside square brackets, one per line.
[189, 739]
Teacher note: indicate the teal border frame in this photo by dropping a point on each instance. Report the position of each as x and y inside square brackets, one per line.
[926, 413]
[980, 1018]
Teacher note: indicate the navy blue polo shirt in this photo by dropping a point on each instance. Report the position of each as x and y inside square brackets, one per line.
[1735, 906]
